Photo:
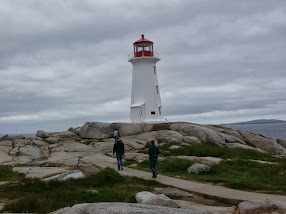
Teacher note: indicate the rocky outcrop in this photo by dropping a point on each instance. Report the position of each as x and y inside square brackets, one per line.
[258, 207]
[127, 129]
[118, 208]
[173, 192]
[197, 168]
[11, 138]
[42, 134]
[152, 199]
[96, 130]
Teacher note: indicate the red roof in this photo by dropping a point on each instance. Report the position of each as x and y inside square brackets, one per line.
[142, 40]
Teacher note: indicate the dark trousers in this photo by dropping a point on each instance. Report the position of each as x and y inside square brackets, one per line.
[119, 161]
[153, 162]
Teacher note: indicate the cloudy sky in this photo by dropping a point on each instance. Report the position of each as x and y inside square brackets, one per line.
[64, 62]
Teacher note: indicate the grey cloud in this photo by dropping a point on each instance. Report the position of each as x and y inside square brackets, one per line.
[66, 62]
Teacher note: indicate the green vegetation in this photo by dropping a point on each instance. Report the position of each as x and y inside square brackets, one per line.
[235, 174]
[212, 150]
[33, 195]
[6, 173]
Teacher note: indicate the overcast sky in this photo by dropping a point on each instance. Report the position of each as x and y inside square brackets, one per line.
[65, 62]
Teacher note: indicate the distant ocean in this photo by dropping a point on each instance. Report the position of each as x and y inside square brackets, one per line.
[276, 130]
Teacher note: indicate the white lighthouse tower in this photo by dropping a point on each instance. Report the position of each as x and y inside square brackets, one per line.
[145, 95]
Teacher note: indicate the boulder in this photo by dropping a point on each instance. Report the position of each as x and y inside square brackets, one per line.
[32, 152]
[149, 198]
[4, 137]
[22, 142]
[197, 168]
[6, 149]
[204, 134]
[205, 160]
[259, 206]
[192, 140]
[77, 131]
[40, 172]
[134, 144]
[267, 144]
[53, 139]
[175, 147]
[42, 134]
[39, 143]
[71, 146]
[96, 130]
[65, 134]
[242, 146]
[6, 143]
[5, 158]
[16, 137]
[116, 208]
[127, 129]
[65, 159]
[173, 192]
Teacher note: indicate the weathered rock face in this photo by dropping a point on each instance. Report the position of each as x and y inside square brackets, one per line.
[152, 199]
[42, 134]
[258, 207]
[4, 137]
[269, 145]
[96, 130]
[118, 208]
[127, 129]
[171, 192]
[197, 168]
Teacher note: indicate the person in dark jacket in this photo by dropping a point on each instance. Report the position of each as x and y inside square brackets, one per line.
[153, 157]
[119, 149]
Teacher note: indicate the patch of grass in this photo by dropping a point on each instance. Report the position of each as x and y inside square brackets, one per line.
[7, 174]
[212, 150]
[37, 196]
[235, 174]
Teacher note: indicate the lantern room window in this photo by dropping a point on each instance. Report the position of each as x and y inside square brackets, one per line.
[143, 48]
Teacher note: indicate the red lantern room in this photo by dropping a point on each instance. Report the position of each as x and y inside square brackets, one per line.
[143, 47]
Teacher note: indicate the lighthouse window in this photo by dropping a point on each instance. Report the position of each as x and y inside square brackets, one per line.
[160, 110]
[152, 112]
[154, 70]
[157, 89]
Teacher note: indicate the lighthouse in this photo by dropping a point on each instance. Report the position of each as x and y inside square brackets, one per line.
[145, 94]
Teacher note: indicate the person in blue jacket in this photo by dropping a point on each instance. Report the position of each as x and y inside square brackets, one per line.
[153, 157]
[118, 148]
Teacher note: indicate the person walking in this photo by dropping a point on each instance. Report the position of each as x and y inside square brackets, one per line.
[153, 157]
[115, 134]
[118, 148]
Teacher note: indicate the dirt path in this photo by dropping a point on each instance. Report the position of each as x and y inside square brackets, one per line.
[208, 189]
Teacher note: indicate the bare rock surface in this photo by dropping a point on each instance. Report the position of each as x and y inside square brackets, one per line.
[197, 168]
[5, 158]
[119, 208]
[41, 172]
[53, 139]
[175, 147]
[242, 146]
[42, 134]
[96, 130]
[259, 206]
[205, 160]
[127, 129]
[205, 208]
[65, 134]
[6, 143]
[269, 145]
[171, 192]
[145, 197]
